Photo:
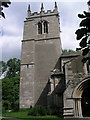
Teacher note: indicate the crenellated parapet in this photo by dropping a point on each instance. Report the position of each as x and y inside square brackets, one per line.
[42, 12]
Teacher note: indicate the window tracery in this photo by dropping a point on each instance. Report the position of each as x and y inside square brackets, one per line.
[42, 27]
[39, 28]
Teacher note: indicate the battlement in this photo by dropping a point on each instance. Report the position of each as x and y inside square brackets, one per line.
[42, 12]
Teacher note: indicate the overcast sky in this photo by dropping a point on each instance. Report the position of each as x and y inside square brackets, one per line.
[11, 28]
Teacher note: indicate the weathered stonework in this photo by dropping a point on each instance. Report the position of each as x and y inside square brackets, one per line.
[40, 53]
[75, 73]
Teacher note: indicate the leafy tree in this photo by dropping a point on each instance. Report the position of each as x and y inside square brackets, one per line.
[10, 93]
[13, 67]
[3, 3]
[83, 35]
[66, 52]
[3, 66]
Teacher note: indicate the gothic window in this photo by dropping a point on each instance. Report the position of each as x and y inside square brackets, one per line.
[42, 27]
[45, 27]
[39, 28]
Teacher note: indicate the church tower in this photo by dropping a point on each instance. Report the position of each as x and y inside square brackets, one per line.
[41, 50]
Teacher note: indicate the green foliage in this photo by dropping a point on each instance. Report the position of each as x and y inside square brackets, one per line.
[84, 60]
[3, 66]
[81, 16]
[6, 105]
[49, 111]
[66, 52]
[10, 84]
[85, 51]
[80, 33]
[16, 105]
[39, 111]
[84, 23]
[10, 93]
[3, 4]
[22, 114]
[83, 43]
[13, 67]
[83, 34]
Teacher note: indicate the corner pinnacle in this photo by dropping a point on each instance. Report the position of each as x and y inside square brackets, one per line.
[42, 8]
[29, 11]
[29, 8]
[55, 4]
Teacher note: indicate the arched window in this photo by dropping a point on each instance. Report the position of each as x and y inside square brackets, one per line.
[45, 27]
[39, 28]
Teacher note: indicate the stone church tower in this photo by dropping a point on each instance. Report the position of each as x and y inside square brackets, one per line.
[41, 50]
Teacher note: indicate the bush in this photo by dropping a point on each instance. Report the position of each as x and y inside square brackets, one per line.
[39, 111]
[16, 106]
[3, 110]
[49, 111]
[10, 93]
[43, 111]
[6, 104]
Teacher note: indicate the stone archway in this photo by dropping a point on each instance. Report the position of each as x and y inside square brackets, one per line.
[80, 93]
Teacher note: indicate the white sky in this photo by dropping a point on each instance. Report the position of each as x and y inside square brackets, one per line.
[11, 28]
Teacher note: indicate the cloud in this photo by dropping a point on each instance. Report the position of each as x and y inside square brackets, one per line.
[68, 38]
[11, 47]
[12, 31]
[70, 23]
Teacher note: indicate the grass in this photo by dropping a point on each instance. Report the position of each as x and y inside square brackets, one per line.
[23, 115]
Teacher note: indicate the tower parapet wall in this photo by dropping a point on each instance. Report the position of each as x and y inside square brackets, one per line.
[42, 12]
[47, 13]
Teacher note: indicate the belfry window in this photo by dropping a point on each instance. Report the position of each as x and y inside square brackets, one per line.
[39, 28]
[45, 27]
[42, 27]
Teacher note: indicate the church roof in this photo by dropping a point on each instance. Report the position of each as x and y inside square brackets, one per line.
[70, 55]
